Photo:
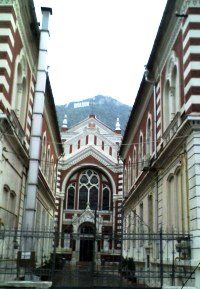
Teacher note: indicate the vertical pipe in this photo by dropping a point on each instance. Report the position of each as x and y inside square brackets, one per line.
[155, 119]
[36, 129]
[161, 258]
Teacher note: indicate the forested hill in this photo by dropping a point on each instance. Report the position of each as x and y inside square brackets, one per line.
[105, 108]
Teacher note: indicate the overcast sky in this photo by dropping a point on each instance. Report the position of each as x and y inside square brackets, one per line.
[99, 46]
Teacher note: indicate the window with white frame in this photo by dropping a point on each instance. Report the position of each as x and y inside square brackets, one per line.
[43, 154]
[129, 175]
[171, 97]
[149, 139]
[134, 165]
[140, 151]
[20, 91]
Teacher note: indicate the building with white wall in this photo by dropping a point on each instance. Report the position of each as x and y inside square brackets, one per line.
[22, 67]
[160, 149]
[91, 184]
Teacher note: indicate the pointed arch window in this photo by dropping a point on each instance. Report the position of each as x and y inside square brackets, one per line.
[71, 196]
[134, 165]
[149, 138]
[88, 189]
[43, 154]
[171, 98]
[106, 198]
[20, 91]
[140, 152]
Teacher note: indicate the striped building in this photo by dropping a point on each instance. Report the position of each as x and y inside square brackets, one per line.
[91, 188]
[19, 54]
[161, 151]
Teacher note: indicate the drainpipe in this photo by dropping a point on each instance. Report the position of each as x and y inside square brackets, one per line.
[36, 129]
[146, 73]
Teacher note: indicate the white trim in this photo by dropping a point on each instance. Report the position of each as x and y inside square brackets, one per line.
[194, 99]
[192, 82]
[191, 34]
[4, 64]
[191, 49]
[193, 65]
[190, 19]
[10, 18]
[7, 32]
[4, 82]
[6, 48]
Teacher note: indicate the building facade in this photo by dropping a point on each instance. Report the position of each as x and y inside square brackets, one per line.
[160, 151]
[26, 103]
[89, 205]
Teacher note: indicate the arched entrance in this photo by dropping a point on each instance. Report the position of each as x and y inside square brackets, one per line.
[86, 242]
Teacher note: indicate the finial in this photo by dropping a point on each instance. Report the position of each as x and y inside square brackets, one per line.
[64, 124]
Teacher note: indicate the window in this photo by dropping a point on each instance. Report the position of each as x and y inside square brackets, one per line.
[102, 145]
[110, 151]
[150, 213]
[170, 203]
[140, 152]
[149, 139]
[106, 198]
[70, 148]
[95, 139]
[20, 91]
[79, 144]
[43, 154]
[129, 174]
[86, 139]
[48, 162]
[171, 97]
[88, 189]
[9, 199]
[134, 164]
[71, 196]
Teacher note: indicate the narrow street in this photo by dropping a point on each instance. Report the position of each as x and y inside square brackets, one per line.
[83, 276]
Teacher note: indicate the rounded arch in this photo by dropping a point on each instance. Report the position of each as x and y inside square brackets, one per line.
[85, 166]
[149, 138]
[19, 98]
[171, 93]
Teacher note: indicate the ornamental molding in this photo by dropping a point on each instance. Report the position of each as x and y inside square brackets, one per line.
[114, 167]
[88, 216]
[7, 2]
[28, 44]
[189, 3]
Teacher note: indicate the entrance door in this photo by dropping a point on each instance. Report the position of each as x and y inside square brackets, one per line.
[86, 250]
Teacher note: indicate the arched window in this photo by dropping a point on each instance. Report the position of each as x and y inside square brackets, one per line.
[140, 152]
[48, 161]
[129, 174]
[106, 198]
[148, 138]
[43, 154]
[71, 196]
[20, 91]
[51, 174]
[171, 97]
[88, 189]
[9, 199]
[134, 165]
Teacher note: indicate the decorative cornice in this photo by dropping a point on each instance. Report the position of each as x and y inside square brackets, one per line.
[114, 167]
[23, 31]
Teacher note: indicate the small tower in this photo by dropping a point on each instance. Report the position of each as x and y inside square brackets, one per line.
[117, 126]
[64, 124]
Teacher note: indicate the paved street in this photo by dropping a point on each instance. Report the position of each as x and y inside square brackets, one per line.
[83, 275]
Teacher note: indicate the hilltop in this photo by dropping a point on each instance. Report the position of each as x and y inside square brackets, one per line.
[106, 109]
